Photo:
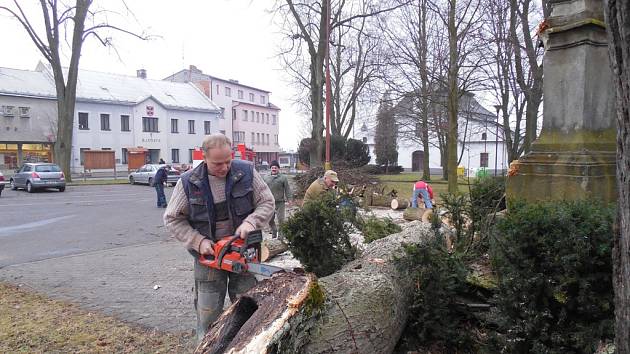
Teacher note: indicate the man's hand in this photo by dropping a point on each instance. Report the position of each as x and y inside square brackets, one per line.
[244, 229]
[205, 247]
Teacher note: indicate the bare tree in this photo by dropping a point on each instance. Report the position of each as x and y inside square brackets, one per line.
[304, 23]
[529, 72]
[62, 21]
[618, 21]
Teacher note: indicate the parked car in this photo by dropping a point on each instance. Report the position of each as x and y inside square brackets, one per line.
[33, 176]
[2, 182]
[146, 174]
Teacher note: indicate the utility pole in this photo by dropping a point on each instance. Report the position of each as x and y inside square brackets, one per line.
[496, 140]
[327, 164]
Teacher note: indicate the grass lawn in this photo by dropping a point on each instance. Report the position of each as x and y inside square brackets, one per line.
[403, 183]
[32, 323]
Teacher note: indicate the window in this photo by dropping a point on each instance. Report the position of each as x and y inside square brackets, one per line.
[364, 140]
[8, 111]
[257, 138]
[82, 154]
[238, 137]
[175, 155]
[262, 99]
[252, 117]
[233, 113]
[483, 159]
[105, 121]
[191, 127]
[228, 91]
[240, 94]
[83, 123]
[149, 124]
[484, 136]
[244, 115]
[190, 154]
[124, 156]
[253, 139]
[124, 124]
[273, 119]
[206, 127]
[222, 132]
[257, 117]
[275, 139]
[267, 139]
[217, 89]
[222, 113]
[25, 112]
[251, 97]
[267, 120]
[174, 128]
[106, 149]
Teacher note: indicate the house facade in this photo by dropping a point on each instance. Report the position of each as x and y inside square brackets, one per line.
[480, 140]
[113, 112]
[247, 114]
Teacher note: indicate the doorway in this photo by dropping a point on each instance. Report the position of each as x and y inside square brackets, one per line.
[417, 161]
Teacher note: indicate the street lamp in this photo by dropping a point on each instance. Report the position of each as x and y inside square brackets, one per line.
[496, 140]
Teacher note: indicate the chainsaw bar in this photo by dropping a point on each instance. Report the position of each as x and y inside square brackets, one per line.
[264, 270]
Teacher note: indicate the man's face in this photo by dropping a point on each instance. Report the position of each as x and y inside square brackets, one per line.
[218, 161]
[274, 170]
[329, 182]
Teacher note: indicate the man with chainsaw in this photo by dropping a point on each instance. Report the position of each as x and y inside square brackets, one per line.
[218, 198]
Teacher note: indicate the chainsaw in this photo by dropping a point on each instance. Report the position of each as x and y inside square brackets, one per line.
[238, 255]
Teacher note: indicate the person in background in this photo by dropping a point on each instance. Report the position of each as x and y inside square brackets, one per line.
[422, 189]
[158, 182]
[162, 162]
[218, 198]
[279, 185]
[321, 186]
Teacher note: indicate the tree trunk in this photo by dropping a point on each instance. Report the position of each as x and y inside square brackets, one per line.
[453, 100]
[272, 248]
[618, 19]
[399, 203]
[381, 201]
[364, 310]
[422, 214]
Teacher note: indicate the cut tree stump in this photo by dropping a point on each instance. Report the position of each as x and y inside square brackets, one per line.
[364, 307]
[399, 203]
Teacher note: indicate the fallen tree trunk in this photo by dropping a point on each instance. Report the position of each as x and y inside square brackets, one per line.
[411, 214]
[381, 200]
[362, 308]
[272, 247]
[399, 203]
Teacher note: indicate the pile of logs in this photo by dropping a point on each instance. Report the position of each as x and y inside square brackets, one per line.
[362, 308]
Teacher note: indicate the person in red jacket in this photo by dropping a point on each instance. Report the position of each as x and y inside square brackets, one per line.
[424, 190]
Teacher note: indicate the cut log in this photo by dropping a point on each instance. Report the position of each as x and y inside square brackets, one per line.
[381, 200]
[399, 203]
[271, 248]
[362, 308]
[411, 214]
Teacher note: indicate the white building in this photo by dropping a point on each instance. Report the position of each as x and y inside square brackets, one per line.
[113, 112]
[250, 117]
[479, 145]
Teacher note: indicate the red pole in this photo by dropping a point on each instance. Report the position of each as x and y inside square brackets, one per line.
[327, 165]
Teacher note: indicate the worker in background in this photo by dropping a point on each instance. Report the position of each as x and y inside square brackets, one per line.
[158, 182]
[220, 197]
[279, 186]
[422, 189]
[321, 186]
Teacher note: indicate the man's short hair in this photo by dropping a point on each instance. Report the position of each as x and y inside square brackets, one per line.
[215, 141]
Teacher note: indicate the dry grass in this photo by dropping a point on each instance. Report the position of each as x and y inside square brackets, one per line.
[32, 323]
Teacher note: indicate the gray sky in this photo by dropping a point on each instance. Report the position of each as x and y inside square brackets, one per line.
[229, 39]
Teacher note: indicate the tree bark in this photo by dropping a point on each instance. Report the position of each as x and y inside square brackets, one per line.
[618, 21]
[364, 310]
[453, 99]
[422, 214]
[272, 248]
[381, 201]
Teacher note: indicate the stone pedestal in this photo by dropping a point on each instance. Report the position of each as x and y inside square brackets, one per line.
[574, 157]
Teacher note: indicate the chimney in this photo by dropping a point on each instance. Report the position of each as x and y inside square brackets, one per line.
[194, 69]
[141, 73]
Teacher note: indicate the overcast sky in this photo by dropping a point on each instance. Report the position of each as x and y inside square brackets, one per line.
[229, 39]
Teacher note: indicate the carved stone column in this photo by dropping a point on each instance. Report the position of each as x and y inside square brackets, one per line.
[574, 156]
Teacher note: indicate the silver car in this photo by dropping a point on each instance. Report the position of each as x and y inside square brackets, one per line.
[33, 176]
[146, 174]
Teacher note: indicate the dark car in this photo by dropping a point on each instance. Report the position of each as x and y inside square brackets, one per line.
[2, 182]
[33, 176]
